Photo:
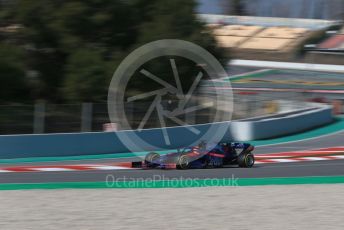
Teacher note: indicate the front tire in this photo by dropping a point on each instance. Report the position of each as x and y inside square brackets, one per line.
[183, 162]
[246, 160]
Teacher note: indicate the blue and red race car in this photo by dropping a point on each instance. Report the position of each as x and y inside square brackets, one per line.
[203, 156]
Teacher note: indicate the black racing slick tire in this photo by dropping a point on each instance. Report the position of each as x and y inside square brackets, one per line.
[246, 160]
[183, 162]
[151, 157]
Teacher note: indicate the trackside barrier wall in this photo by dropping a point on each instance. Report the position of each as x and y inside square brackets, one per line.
[281, 124]
[313, 24]
[73, 144]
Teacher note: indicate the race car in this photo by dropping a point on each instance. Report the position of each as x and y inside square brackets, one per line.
[203, 156]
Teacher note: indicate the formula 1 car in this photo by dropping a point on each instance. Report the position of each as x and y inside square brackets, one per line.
[203, 156]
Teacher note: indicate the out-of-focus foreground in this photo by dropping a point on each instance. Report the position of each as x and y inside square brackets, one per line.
[268, 207]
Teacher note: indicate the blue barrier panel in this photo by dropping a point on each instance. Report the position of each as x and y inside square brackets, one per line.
[280, 124]
[73, 144]
[76, 144]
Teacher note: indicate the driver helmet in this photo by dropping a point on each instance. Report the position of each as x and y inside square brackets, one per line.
[225, 146]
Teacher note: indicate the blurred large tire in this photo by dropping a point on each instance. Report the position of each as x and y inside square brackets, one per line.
[183, 162]
[151, 157]
[246, 160]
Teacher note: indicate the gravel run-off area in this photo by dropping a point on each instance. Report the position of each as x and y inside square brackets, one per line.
[256, 207]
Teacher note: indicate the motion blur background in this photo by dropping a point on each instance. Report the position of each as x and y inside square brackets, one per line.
[57, 57]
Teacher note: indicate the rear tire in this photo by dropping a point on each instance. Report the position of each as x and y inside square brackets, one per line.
[151, 157]
[246, 160]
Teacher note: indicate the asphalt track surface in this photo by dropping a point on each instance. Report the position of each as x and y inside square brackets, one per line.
[316, 168]
[330, 140]
[301, 169]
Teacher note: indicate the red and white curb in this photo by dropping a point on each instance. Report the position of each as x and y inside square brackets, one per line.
[298, 159]
[335, 153]
[63, 168]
